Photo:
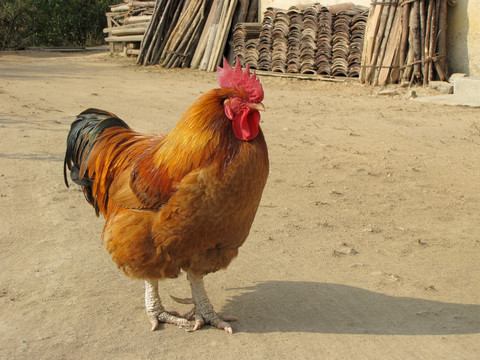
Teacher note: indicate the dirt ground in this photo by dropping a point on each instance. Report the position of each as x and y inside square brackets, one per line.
[366, 244]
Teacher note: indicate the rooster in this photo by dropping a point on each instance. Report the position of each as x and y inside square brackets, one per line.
[180, 202]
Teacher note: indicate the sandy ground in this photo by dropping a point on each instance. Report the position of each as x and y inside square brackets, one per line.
[366, 244]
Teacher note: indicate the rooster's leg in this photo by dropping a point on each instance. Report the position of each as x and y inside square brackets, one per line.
[204, 312]
[155, 311]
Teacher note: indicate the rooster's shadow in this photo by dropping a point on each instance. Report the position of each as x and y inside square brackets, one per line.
[298, 306]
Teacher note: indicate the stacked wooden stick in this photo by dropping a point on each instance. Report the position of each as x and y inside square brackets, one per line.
[193, 33]
[405, 41]
[127, 22]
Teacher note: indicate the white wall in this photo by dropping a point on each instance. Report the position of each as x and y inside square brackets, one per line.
[285, 4]
[463, 37]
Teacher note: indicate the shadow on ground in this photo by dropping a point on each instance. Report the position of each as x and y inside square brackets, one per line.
[286, 306]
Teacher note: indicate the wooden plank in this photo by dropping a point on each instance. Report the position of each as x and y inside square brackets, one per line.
[131, 26]
[130, 38]
[393, 45]
[298, 76]
[211, 35]
[441, 62]
[132, 31]
[378, 41]
[202, 43]
[137, 19]
[224, 30]
[369, 43]
[386, 42]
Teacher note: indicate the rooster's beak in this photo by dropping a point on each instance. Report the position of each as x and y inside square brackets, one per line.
[257, 106]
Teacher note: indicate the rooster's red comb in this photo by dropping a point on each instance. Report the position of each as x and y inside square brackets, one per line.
[235, 78]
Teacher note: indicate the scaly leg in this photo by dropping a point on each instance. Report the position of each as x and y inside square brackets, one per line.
[203, 311]
[156, 312]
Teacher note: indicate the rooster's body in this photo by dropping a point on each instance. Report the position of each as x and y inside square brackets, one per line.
[185, 201]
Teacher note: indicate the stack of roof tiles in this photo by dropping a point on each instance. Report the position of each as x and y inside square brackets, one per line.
[309, 39]
[324, 42]
[265, 43]
[280, 33]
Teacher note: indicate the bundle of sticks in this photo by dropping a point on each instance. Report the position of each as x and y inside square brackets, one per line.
[192, 33]
[405, 41]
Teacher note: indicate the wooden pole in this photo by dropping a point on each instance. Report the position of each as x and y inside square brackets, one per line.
[441, 63]
[385, 42]
[404, 39]
[202, 43]
[427, 48]
[417, 73]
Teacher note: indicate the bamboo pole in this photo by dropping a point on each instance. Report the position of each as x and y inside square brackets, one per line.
[415, 21]
[252, 14]
[184, 25]
[391, 49]
[378, 41]
[410, 55]
[423, 25]
[385, 42]
[433, 41]
[181, 49]
[149, 33]
[404, 39]
[211, 35]
[160, 37]
[202, 44]
[158, 49]
[426, 49]
[370, 32]
[441, 63]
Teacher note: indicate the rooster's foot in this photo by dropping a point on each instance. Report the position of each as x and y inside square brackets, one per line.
[203, 312]
[168, 317]
[156, 312]
[212, 318]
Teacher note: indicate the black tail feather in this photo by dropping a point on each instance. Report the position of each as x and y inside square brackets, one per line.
[83, 135]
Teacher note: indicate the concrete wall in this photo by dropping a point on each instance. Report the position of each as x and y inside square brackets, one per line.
[463, 30]
[464, 37]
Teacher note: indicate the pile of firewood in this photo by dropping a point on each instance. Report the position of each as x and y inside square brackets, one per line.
[405, 41]
[192, 33]
[311, 39]
[127, 22]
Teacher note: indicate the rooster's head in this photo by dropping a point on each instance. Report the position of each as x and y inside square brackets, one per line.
[245, 101]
